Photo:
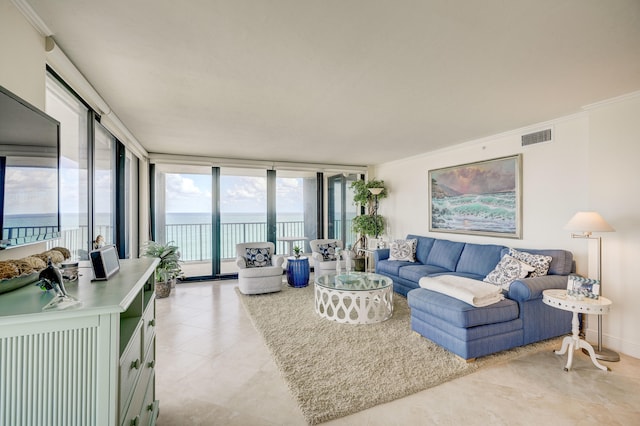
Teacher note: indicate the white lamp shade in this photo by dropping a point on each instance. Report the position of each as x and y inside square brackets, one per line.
[376, 191]
[588, 222]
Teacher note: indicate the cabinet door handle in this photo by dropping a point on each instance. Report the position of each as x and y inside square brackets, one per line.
[152, 323]
[150, 407]
[135, 421]
[151, 364]
[136, 364]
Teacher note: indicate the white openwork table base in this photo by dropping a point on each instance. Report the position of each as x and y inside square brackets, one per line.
[354, 307]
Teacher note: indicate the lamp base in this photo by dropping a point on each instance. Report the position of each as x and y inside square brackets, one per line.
[605, 354]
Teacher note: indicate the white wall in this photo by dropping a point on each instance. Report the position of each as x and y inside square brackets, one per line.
[614, 191]
[587, 166]
[22, 56]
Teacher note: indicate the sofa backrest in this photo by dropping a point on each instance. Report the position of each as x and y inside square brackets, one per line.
[445, 254]
[479, 259]
[561, 260]
[423, 247]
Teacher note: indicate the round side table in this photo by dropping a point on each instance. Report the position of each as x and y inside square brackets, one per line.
[298, 271]
[559, 299]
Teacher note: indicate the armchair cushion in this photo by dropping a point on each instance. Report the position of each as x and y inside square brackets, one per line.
[257, 257]
[328, 251]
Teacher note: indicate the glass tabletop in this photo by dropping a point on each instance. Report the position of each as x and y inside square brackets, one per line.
[354, 281]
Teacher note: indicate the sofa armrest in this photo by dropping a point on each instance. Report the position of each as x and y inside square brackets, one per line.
[277, 260]
[241, 262]
[532, 288]
[381, 254]
[317, 257]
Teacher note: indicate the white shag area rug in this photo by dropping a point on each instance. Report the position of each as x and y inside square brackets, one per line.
[334, 370]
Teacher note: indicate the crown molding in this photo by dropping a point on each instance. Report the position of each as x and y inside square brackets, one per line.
[32, 17]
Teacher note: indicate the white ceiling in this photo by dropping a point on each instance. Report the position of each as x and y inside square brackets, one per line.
[348, 82]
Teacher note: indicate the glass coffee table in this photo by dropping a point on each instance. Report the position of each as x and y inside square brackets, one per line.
[354, 298]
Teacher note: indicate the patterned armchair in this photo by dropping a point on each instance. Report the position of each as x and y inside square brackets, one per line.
[259, 269]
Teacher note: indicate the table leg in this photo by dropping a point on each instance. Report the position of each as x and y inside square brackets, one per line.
[587, 346]
[573, 343]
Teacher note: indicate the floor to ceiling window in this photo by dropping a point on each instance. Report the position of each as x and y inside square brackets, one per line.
[243, 211]
[296, 209]
[341, 208]
[104, 185]
[74, 184]
[206, 211]
[183, 215]
[89, 169]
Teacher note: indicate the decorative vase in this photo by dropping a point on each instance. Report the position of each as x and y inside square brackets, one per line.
[298, 272]
[359, 264]
[163, 289]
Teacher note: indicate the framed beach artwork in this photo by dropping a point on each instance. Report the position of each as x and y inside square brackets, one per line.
[483, 198]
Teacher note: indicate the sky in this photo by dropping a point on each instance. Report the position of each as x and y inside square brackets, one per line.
[492, 176]
[191, 193]
[34, 190]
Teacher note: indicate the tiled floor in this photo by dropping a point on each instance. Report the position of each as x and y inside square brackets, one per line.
[214, 369]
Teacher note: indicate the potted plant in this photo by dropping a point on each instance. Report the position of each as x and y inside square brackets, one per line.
[168, 270]
[366, 194]
[297, 250]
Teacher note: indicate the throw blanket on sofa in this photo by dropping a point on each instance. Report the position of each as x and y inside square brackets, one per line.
[473, 292]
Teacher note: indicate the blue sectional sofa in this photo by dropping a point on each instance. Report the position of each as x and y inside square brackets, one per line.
[468, 331]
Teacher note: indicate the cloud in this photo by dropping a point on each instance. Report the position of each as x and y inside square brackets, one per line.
[30, 190]
[479, 179]
[184, 194]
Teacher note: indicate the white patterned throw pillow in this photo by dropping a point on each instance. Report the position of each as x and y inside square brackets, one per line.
[540, 262]
[403, 250]
[507, 271]
[258, 257]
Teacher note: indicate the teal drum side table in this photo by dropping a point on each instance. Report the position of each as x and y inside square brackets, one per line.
[298, 271]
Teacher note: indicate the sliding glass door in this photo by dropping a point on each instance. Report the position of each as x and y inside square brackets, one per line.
[341, 209]
[183, 215]
[296, 210]
[243, 212]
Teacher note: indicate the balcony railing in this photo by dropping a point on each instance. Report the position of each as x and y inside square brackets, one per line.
[194, 240]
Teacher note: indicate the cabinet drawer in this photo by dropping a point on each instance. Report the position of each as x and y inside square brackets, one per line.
[141, 407]
[149, 321]
[149, 406]
[131, 363]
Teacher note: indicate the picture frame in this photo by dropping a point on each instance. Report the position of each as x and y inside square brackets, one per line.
[481, 198]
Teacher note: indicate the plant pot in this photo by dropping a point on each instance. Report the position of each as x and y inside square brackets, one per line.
[358, 264]
[163, 289]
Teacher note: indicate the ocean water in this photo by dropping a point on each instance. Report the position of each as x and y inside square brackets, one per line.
[18, 220]
[481, 212]
[200, 218]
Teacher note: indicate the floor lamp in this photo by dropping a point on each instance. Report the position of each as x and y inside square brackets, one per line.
[375, 192]
[587, 223]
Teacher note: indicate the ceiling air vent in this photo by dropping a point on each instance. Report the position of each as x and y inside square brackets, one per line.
[536, 137]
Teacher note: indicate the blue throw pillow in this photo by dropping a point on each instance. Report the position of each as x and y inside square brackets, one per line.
[258, 257]
[328, 251]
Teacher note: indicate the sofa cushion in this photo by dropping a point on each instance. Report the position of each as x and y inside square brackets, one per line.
[459, 313]
[538, 261]
[403, 250]
[257, 257]
[561, 260]
[413, 272]
[423, 247]
[391, 267]
[445, 254]
[507, 271]
[479, 259]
